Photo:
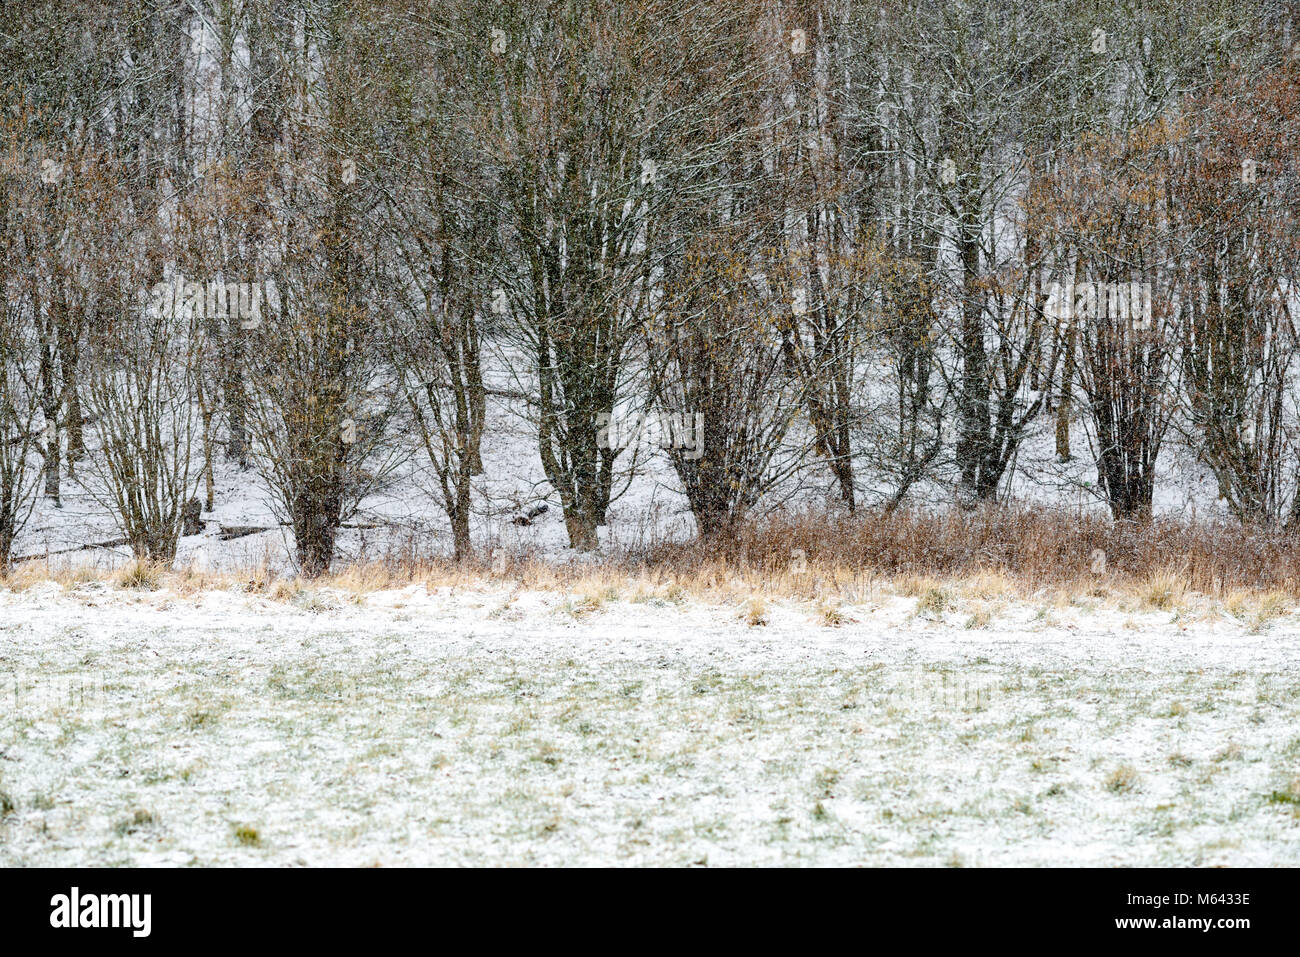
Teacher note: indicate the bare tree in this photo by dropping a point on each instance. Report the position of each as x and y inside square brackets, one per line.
[19, 390]
[323, 393]
[714, 354]
[140, 384]
[596, 122]
[1108, 207]
[1234, 197]
[437, 225]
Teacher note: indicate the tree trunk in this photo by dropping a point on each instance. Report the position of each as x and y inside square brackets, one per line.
[478, 414]
[973, 400]
[581, 526]
[50, 410]
[235, 396]
[1063, 398]
[459, 514]
[315, 529]
[76, 434]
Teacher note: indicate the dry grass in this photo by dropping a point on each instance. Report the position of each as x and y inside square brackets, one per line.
[139, 574]
[247, 836]
[1268, 606]
[285, 589]
[831, 615]
[19, 578]
[988, 585]
[755, 613]
[1163, 591]
[980, 617]
[934, 602]
[997, 550]
[946, 562]
[1122, 780]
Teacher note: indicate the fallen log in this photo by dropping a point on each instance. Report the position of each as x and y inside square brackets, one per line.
[230, 532]
[115, 543]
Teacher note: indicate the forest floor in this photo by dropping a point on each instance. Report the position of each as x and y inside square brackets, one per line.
[487, 724]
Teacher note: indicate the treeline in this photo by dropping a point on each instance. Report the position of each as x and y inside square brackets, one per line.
[882, 240]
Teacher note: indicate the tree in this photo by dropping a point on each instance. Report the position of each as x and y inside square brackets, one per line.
[1234, 197]
[140, 390]
[1108, 201]
[19, 390]
[596, 121]
[323, 394]
[714, 353]
[436, 226]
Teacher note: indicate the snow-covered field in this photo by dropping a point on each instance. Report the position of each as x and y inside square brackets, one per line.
[485, 726]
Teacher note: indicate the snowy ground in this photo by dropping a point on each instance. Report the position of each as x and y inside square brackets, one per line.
[489, 727]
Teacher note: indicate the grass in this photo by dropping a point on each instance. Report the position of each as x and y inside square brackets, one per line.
[247, 836]
[591, 588]
[755, 613]
[138, 821]
[139, 574]
[587, 603]
[947, 562]
[933, 602]
[1270, 606]
[570, 744]
[831, 615]
[1287, 795]
[531, 746]
[1122, 780]
[1163, 591]
[1229, 752]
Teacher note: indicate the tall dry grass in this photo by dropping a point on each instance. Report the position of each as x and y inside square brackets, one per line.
[1036, 548]
[980, 555]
